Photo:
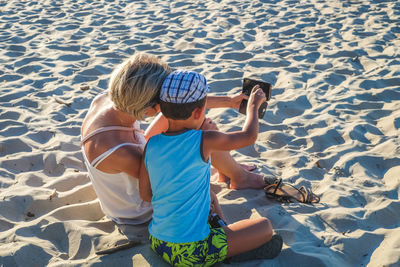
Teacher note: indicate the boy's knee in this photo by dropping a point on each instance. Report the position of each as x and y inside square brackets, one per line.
[267, 226]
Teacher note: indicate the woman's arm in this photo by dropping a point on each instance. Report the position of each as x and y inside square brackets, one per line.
[225, 101]
[144, 183]
[157, 126]
[125, 159]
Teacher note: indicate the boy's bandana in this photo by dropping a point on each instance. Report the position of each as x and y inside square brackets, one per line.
[183, 86]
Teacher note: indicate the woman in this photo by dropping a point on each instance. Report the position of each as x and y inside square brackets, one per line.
[113, 143]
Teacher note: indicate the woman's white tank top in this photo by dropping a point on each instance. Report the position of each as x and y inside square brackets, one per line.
[118, 193]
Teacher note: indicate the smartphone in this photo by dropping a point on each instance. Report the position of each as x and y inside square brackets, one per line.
[248, 85]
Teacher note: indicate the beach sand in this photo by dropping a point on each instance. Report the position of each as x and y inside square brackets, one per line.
[333, 122]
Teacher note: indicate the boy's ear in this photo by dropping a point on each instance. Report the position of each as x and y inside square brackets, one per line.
[197, 112]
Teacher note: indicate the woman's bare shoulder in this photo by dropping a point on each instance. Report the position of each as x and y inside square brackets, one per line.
[126, 159]
[100, 99]
[96, 112]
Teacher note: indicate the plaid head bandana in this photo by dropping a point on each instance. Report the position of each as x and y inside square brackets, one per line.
[183, 86]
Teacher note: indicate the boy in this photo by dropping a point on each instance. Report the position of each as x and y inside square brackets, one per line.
[175, 177]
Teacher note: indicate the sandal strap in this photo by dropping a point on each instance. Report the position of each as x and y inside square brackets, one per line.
[305, 194]
[278, 184]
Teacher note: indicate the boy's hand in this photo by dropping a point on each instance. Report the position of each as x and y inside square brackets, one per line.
[257, 97]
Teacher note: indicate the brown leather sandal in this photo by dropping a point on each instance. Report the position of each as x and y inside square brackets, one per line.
[283, 192]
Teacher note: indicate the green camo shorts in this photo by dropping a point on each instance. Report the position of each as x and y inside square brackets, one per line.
[206, 252]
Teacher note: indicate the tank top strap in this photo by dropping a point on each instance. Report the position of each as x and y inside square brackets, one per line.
[105, 129]
[104, 155]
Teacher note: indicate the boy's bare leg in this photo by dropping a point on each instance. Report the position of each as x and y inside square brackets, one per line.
[239, 177]
[247, 234]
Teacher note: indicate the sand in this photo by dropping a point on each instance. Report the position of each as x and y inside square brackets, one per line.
[333, 122]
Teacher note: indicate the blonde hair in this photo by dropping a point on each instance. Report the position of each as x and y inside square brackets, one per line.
[136, 83]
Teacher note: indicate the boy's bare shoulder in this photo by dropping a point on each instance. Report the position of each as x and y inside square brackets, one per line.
[211, 134]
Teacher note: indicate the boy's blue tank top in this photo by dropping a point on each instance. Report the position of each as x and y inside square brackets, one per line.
[180, 181]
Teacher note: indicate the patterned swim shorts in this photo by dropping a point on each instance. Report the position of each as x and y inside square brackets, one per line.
[206, 252]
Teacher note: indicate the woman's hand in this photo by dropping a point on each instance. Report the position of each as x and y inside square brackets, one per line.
[209, 125]
[237, 99]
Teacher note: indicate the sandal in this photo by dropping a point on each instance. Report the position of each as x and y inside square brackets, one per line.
[268, 180]
[287, 193]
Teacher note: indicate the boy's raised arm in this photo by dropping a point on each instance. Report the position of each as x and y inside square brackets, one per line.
[214, 141]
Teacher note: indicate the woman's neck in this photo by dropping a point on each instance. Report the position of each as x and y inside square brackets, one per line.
[124, 118]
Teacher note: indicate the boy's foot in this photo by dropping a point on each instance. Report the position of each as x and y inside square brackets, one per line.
[269, 250]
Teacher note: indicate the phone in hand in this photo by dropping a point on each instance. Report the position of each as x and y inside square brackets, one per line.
[248, 85]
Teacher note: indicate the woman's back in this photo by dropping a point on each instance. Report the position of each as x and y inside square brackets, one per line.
[112, 151]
